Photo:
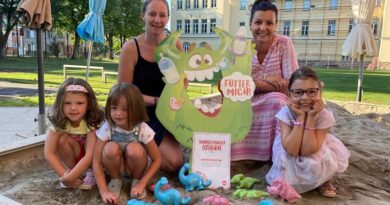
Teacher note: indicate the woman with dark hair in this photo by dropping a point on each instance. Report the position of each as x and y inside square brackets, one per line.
[273, 63]
[137, 65]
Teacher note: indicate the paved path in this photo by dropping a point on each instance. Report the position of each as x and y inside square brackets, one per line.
[17, 123]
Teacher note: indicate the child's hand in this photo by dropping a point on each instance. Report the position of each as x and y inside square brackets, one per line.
[66, 181]
[316, 108]
[294, 108]
[137, 190]
[109, 198]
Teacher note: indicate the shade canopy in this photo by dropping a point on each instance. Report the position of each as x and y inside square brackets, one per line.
[91, 28]
[35, 13]
[360, 41]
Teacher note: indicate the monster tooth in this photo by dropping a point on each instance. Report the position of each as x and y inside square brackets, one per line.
[217, 106]
[205, 109]
[212, 110]
[200, 76]
[190, 75]
[198, 103]
[209, 74]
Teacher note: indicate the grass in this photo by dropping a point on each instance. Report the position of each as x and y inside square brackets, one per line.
[340, 84]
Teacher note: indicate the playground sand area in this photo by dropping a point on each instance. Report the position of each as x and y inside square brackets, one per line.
[365, 130]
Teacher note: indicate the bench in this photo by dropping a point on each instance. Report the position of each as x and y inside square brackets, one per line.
[105, 73]
[210, 86]
[65, 67]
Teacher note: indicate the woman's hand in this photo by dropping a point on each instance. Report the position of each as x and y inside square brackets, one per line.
[316, 108]
[279, 83]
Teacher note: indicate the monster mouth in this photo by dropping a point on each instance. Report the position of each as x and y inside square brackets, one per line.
[209, 106]
[201, 75]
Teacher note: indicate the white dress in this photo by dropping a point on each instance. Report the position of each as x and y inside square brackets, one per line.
[308, 172]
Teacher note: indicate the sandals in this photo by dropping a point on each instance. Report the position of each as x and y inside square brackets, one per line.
[327, 190]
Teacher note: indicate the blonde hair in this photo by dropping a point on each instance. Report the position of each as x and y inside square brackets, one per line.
[134, 100]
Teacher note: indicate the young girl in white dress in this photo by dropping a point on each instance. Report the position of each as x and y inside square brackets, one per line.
[305, 154]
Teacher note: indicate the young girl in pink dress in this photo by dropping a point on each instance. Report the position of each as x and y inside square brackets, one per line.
[305, 154]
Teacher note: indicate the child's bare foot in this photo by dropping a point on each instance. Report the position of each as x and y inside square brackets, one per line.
[327, 190]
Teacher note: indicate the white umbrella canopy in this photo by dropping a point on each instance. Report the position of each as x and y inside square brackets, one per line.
[360, 41]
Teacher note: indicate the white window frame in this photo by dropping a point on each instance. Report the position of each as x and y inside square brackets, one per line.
[188, 4]
[179, 25]
[204, 3]
[286, 28]
[333, 4]
[374, 27]
[213, 3]
[179, 4]
[196, 4]
[243, 4]
[305, 28]
[331, 27]
[203, 26]
[195, 26]
[213, 23]
[288, 5]
[306, 5]
[187, 26]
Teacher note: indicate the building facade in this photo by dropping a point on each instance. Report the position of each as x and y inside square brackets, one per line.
[318, 28]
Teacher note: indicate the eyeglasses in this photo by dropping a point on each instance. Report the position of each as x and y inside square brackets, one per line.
[311, 92]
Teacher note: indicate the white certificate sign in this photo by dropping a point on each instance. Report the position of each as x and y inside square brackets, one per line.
[211, 157]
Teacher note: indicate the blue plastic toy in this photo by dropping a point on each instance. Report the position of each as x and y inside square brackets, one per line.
[138, 202]
[170, 196]
[266, 202]
[192, 181]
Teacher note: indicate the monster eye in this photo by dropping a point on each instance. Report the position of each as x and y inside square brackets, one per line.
[208, 59]
[195, 61]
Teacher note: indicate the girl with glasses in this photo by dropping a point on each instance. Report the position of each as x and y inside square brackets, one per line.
[305, 154]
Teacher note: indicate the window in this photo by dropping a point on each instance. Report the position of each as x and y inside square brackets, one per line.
[331, 27]
[204, 3]
[179, 4]
[30, 34]
[213, 23]
[288, 5]
[305, 28]
[195, 26]
[377, 2]
[286, 28]
[186, 45]
[196, 4]
[204, 26]
[242, 23]
[242, 4]
[179, 25]
[374, 27]
[213, 3]
[351, 24]
[306, 5]
[188, 6]
[187, 26]
[333, 4]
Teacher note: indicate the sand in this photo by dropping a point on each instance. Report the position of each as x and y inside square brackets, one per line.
[364, 129]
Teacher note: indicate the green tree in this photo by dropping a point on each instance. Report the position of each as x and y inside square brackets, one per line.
[8, 20]
[67, 15]
[121, 20]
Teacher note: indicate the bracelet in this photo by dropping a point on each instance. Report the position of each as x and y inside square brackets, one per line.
[298, 123]
[310, 128]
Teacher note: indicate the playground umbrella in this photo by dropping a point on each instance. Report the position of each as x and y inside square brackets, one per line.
[91, 28]
[36, 14]
[360, 41]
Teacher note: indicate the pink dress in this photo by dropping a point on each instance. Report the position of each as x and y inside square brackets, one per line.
[308, 172]
[279, 61]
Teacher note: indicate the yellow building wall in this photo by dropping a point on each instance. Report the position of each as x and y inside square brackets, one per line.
[316, 46]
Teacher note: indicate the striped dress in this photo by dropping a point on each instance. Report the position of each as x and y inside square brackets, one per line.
[281, 61]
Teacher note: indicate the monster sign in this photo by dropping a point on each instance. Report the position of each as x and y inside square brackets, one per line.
[231, 63]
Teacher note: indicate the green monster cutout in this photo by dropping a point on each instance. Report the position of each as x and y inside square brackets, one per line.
[179, 114]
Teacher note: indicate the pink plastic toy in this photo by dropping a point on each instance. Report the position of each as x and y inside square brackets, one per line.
[284, 190]
[216, 200]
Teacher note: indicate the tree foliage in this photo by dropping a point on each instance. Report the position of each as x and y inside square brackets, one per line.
[8, 20]
[67, 14]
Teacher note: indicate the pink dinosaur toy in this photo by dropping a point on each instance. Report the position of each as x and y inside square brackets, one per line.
[216, 200]
[284, 190]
